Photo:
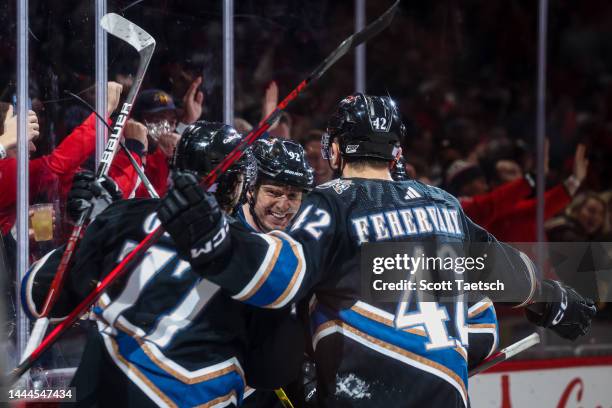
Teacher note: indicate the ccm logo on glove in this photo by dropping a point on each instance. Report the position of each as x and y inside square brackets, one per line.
[214, 243]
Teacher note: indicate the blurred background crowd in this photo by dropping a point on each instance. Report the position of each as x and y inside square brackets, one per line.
[463, 73]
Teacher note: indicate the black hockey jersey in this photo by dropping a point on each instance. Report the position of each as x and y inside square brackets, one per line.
[163, 330]
[369, 353]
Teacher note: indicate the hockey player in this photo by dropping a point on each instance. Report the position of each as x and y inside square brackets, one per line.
[283, 177]
[166, 336]
[370, 353]
[282, 171]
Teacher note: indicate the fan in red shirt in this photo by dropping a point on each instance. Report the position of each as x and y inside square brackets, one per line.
[156, 109]
[56, 169]
[507, 211]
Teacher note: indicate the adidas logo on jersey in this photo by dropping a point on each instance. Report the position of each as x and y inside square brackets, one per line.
[411, 193]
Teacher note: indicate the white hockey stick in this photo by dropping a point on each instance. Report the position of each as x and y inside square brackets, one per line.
[349, 43]
[506, 353]
[139, 39]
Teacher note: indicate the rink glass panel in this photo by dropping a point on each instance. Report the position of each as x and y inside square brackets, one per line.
[465, 72]
[60, 47]
[440, 61]
[62, 58]
[283, 42]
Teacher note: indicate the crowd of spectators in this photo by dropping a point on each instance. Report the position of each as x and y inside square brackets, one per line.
[464, 77]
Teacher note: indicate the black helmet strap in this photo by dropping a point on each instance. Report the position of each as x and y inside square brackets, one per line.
[251, 200]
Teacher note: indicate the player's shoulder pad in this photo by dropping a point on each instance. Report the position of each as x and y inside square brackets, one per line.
[436, 193]
[339, 186]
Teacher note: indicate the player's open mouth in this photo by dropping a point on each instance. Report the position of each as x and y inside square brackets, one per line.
[278, 219]
[278, 216]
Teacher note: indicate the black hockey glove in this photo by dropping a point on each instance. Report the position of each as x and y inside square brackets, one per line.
[87, 191]
[194, 220]
[564, 310]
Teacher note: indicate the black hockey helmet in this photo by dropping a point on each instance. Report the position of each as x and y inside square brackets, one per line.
[398, 172]
[366, 126]
[202, 147]
[284, 162]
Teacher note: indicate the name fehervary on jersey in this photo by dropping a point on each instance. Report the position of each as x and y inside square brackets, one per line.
[382, 226]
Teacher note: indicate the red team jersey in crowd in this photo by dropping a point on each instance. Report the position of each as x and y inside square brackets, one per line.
[157, 171]
[58, 169]
[509, 214]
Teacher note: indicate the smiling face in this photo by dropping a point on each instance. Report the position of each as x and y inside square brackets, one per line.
[592, 215]
[276, 205]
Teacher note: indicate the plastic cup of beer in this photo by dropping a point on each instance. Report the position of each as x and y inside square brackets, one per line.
[42, 221]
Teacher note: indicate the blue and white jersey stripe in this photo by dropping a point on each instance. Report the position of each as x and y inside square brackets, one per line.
[279, 275]
[171, 385]
[483, 319]
[373, 328]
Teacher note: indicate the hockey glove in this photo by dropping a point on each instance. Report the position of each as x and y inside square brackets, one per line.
[564, 310]
[194, 220]
[87, 191]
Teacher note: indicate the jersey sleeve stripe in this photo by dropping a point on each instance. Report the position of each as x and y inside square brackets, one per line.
[248, 391]
[482, 326]
[279, 276]
[482, 319]
[274, 247]
[278, 279]
[298, 274]
[479, 307]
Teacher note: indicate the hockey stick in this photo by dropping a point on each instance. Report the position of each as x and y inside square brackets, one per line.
[139, 172]
[145, 45]
[283, 398]
[126, 264]
[506, 353]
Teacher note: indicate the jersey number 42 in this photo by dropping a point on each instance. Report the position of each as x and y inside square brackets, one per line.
[431, 315]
